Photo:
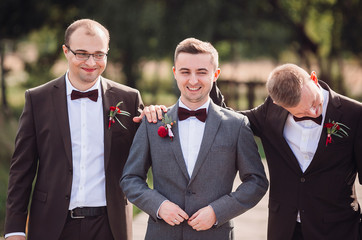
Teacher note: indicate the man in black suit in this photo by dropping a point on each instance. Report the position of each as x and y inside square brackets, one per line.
[312, 170]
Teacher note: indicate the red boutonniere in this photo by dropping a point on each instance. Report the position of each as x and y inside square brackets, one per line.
[165, 130]
[113, 111]
[313, 76]
[335, 128]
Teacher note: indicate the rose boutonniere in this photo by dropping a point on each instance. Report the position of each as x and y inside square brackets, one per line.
[165, 130]
[113, 111]
[336, 129]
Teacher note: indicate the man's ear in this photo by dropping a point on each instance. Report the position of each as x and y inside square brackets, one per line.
[217, 74]
[174, 71]
[65, 49]
[314, 78]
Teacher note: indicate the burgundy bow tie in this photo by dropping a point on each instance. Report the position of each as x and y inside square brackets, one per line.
[317, 120]
[199, 114]
[92, 95]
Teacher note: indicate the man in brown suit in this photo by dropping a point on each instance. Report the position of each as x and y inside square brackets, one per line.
[65, 144]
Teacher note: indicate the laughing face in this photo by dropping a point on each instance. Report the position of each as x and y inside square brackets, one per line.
[311, 102]
[195, 74]
[84, 73]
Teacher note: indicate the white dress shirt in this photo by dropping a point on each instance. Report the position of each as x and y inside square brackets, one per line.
[87, 136]
[303, 137]
[191, 132]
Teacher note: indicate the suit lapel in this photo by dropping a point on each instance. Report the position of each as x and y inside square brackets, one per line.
[60, 108]
[107, 99]
[277, 119]
[332, 113]
[175, 143]
[212, 124]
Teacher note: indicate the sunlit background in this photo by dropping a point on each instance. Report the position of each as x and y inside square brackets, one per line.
[252, 38]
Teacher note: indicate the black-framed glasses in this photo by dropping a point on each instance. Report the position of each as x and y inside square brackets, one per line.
[81, 56]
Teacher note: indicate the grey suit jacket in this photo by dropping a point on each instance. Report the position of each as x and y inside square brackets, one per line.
[227, 147]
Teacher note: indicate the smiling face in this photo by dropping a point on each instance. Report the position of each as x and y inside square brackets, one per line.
[83, 74]
[195, 74]
[311, 101]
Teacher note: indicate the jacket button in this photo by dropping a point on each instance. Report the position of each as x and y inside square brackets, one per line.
[66, 197]
[302, 180]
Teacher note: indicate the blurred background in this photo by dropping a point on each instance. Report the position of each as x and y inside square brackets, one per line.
[252, 38]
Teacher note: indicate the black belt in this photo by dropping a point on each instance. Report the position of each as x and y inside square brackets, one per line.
[82, 212]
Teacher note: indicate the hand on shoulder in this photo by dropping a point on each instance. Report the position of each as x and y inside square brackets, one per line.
[153, 113]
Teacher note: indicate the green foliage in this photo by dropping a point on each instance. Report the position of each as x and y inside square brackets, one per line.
[4, 172]
[7, 138]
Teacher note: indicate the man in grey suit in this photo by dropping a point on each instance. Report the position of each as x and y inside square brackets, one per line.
[194, 159]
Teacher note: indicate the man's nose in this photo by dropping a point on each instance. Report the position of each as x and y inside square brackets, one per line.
[90, 60]
[193, 79]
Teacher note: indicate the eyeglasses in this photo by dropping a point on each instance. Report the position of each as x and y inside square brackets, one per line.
[85, 56]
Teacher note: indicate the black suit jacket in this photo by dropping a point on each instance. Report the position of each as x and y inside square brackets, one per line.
[322, 192]
[43, 149]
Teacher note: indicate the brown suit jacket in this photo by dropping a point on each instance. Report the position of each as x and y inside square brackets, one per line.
[43, 150]
[322, 192]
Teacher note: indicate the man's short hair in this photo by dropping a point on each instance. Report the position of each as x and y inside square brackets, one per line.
[195, 46]
[91, 25]
[285, 84]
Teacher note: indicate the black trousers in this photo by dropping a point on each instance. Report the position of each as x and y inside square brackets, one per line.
[90, 228]
[298, 235]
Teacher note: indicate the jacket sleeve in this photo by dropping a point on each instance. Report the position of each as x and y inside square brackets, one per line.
[251, 172]
[133, 181]
[256, 115]
[22, 171]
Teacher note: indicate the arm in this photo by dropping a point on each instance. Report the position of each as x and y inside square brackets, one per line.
[22, 171]
[251, 172]
[133, 182]
[256, 115]
[358, 143]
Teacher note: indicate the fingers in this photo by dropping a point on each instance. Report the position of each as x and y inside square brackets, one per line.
[153, 113]
[203, 219]
[171, 213]
[354, 204]
[15, 237]
[137, 119]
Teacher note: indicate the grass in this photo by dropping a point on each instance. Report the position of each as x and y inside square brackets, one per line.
[7, 137]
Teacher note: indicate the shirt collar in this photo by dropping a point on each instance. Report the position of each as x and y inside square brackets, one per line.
[205, 105]
[70, 87]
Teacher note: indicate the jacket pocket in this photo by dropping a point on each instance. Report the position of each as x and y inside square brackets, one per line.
[40, 196]
[341, 216]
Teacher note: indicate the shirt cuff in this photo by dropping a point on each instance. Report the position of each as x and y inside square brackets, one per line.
[14, 234]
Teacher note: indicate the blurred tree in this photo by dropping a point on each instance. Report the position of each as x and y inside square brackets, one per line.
[18, 18]
[133, 25]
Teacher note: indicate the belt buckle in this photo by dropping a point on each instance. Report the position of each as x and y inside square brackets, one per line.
[75, 217]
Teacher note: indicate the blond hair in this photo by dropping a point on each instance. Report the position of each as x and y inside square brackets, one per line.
[195, 46]
[285, 84]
